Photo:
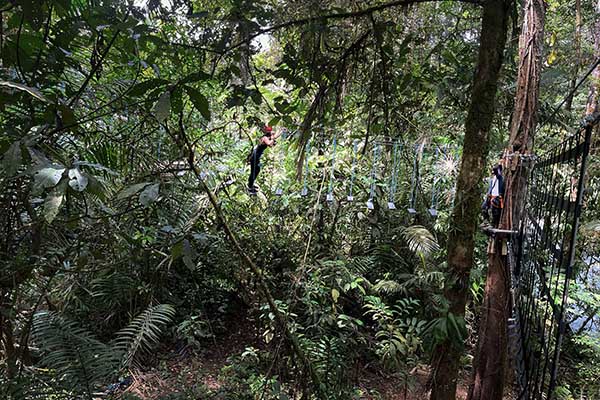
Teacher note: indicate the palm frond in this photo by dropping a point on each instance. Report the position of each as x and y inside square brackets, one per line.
[143, 333]
[420, 240]
[361, 264]
[386, 286]
[80, 360]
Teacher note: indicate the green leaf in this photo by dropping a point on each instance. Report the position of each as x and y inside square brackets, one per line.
[144, 87]
[13, 158]
[188, 255]
[162, 108]
[95, 186]
[177, 100]
[48, 177]
[177, 250]
[195, 77]
[77, 180]
[131, 190]
[149, 194]
[335, 295]
[32, 91]
[67, 115]
[199, 101]
[54, 200]
[143, 333]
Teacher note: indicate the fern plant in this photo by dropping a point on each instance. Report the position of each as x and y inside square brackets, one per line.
[81, 362]
[142, 334]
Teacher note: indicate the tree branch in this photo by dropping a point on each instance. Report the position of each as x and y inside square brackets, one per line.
[185, 145]
[349, 14]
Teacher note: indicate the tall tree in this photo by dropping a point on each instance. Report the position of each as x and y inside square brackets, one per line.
[494, 26]
[594, 93]
[577, 45]
[490, 360]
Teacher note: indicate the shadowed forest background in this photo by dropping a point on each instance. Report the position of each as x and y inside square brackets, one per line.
[134, 264]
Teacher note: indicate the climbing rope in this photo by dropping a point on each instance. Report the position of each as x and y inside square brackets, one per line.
[353, 170]
[397, 147]
[413, 185]
[304, 191]
[370, 205]
[433, 208]
[279, 190]
[330, 190]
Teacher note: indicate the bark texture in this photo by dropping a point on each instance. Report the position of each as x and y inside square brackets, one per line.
[577, 44]
[491, 358]
[446, 358]
[594, 93]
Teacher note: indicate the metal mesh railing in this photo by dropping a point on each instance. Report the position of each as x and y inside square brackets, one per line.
[543, 265]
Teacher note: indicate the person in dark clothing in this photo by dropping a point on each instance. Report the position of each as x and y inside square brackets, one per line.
[266, 140]
[494, 199]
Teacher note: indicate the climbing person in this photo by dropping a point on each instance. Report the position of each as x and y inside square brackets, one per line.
[494, 199]
[267, 140]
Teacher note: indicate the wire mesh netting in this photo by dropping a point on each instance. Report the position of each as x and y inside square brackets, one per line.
[544, 264]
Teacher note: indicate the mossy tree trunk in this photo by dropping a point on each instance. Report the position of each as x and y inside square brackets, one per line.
[446, 358]
[491, 358]
[594, 92]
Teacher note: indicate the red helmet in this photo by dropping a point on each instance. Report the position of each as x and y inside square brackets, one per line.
[267, 129]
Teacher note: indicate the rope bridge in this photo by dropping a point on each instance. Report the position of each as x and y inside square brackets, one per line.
[542, 259]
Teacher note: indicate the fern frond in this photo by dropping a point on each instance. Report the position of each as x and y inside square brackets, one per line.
[81, 361]
[420, 240]
[362, 264]
[143, 333]
[388, 287]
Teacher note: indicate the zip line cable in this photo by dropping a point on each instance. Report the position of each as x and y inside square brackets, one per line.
[330, 191]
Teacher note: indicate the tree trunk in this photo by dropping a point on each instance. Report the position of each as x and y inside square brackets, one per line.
[490, 361]
[594, 93]
[446, 358]
[577, 44]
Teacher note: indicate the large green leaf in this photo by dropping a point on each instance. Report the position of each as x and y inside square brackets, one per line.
[32, 91]
[131, 190]
[199, 101]
[144, 87]
[142, 334]
[149, 194]
[48, 177]
[162, 108]
[13, 158]
[177, 100]
[77, 180]
[54, 201]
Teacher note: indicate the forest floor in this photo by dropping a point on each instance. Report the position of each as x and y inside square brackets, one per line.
[184, 372]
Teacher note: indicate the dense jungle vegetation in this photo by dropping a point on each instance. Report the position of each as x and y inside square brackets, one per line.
[135, 264]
